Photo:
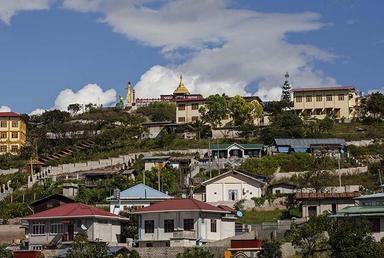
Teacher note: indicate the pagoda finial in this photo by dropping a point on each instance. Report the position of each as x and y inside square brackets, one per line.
[181, 78]
[286, 75]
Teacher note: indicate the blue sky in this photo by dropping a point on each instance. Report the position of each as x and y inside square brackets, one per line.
[236, 47]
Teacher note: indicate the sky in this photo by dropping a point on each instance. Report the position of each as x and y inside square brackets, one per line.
[57, 52]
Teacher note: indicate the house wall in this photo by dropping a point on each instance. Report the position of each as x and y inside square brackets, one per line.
[202, 226]
[345, 106]
[323, 206]
[282, 190]
[218, 191]
[9, 142]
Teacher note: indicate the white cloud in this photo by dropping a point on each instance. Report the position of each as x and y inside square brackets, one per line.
[5, 109]
[223, 50]
[37, 111]
[90, 93]
[9, 8]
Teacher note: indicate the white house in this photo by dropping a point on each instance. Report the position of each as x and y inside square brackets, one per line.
[184, 222]
[137, 196]
[58, 226]
[233, 186]
[282, 188]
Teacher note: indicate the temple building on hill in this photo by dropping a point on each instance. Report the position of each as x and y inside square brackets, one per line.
[181, 92]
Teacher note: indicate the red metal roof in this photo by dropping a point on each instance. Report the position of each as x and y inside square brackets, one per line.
[9, 114]
[322, 196]
[324, 88]
[72, 210]
[181, 205]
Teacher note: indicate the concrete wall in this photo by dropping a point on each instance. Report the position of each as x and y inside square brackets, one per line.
[11, 233]
[171, 252]
[323, 206]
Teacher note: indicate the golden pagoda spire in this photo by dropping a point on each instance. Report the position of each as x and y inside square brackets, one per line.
[181, 89]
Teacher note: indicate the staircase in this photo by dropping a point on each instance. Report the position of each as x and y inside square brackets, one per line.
[68, 151]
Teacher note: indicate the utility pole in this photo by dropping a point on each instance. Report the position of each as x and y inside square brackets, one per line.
[209, 158]
[381, 180]
[218, 155]
[144, 176]
[158, 179]
[339, 169]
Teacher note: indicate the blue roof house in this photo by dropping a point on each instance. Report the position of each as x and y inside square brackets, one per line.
[136, 196]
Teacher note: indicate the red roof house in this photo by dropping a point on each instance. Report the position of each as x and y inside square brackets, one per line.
[9, 114]
[56, 227]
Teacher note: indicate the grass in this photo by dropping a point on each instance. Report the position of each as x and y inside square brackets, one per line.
[352, 132]
[257, 217]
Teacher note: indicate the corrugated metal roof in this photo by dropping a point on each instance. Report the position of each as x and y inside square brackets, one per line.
[324, 88]
[307, 142]
[245, 146]
[362, 210]
[141, 191]
[322, 196]
[371, 196]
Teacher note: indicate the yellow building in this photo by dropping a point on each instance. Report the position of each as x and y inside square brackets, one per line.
[342, 101]
[13, 132]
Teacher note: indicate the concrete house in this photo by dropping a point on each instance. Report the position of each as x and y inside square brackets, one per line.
[50, 202]
[331, 146]
[282, 188]
[370, 207]
[137, 196]
[315, 204]
[237, 150]
[58, 226]
[184, 222]
[233, 186]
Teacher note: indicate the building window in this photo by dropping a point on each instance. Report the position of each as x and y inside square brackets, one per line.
[3, 124]
[169, 226]
[38, 228]
[15, 135]
[308, 98]
[3, 135]
[195, 118]
[340, 97]
[14, 148]
[181, 107]
[319, 98]
[334, 208]
[375, 224]
[188, 224]
[57, 228]
[195, 106]
[181, 119]
[149, 226]
[15, 123]
[299, 99]
[232, 195]
[3, 148]
[329, 98]
[213, 225]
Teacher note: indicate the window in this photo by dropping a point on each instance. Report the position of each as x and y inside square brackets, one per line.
[168, 225]
[334, 208]
[312, 211]
[148, 245]
[232, 195]
[149, 226]
[195, 106]
[14, 148]
[15, 123]
[38, 228]
[15, 135]
[181, 107]
[3, 148]
[181, 119]
[213, 225]
[3, 124]
[278, 191]
[3, 135]
[57, 228]
[375, 224]
[329, 97]
[299, 99]
[195, 118]
[340, 97]
[188, 224]
[319, 98]
[308, 98]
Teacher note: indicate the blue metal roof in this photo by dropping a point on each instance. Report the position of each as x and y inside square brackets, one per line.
[304, 142]
[141, 191]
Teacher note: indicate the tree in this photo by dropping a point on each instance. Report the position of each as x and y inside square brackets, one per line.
[240, 110]
[82, 248]
[5, 253]
[351, 238]
[195, 252]
[159, 111]
[375, 104]
[310, 237]
[271, 249]
[319, 177]
[214, 111]
[286, 90]
[74, 108]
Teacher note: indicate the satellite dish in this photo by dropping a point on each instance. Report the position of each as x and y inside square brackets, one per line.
[239, 214]
[83, 227]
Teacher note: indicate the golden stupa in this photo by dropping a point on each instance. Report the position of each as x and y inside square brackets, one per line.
[181, 89]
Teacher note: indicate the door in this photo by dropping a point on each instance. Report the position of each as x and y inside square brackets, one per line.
[70, 231]
[312, 211]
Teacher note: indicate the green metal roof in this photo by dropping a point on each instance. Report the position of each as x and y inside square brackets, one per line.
[245, 146]
[361, 211]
